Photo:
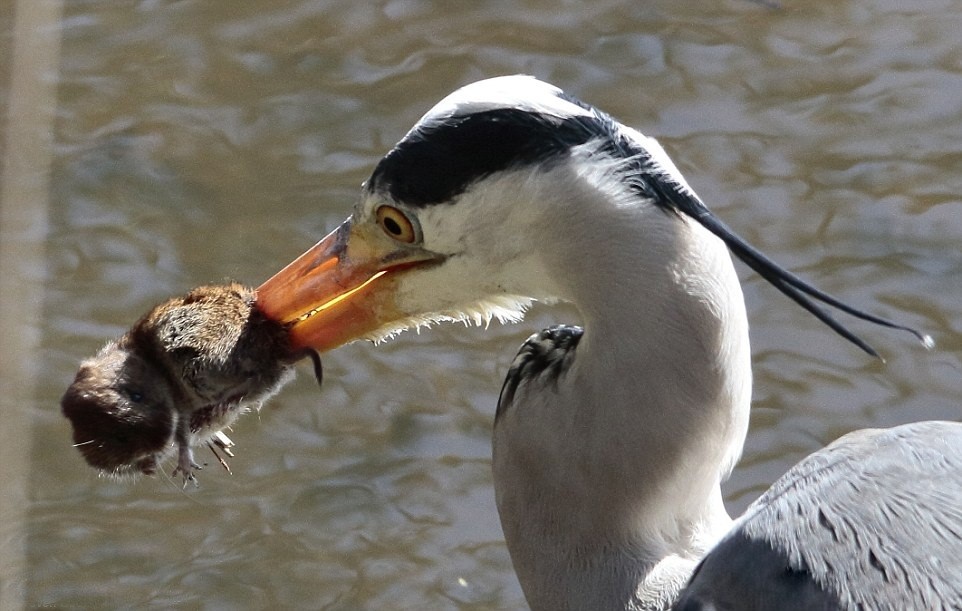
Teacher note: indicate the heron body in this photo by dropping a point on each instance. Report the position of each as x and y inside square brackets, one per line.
[611, 440]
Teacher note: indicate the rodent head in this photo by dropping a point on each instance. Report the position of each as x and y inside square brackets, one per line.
[122, 411]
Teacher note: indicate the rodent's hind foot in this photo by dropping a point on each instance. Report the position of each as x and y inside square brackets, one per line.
[186, 465]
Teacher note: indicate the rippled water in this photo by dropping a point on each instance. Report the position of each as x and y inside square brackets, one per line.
[200, 141]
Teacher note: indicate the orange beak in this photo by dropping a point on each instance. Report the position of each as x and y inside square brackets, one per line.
[340, 290]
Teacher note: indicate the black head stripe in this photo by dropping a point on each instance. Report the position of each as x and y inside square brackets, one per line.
[438, 161]
[441, 158]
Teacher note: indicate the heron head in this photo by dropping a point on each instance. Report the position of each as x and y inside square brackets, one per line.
[453, 222]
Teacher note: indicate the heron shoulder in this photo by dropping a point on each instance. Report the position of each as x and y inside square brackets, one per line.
[868, 522]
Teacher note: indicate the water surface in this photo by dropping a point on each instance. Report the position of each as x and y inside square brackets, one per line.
[194, 142]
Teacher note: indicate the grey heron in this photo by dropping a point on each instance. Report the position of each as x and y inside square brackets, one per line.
[611, 439]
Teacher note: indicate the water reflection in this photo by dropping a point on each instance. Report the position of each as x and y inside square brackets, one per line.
[196, 142]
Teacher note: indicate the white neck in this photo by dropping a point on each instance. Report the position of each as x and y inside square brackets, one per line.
[608, 482]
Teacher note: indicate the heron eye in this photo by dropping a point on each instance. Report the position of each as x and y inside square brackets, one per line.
[396, 224]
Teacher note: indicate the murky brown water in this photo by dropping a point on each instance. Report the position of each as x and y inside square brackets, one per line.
[199, 141]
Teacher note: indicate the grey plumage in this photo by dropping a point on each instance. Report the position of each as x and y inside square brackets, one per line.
[865, 523]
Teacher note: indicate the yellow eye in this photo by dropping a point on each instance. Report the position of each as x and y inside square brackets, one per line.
[396, 224]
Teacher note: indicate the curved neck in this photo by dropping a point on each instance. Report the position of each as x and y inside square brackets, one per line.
[607, 481]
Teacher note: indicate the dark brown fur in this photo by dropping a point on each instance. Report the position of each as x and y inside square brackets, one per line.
[181, 374]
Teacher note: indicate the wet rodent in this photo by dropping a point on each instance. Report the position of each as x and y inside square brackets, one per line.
[176, 379]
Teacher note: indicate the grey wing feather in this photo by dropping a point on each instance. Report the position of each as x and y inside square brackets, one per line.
[872, 521]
